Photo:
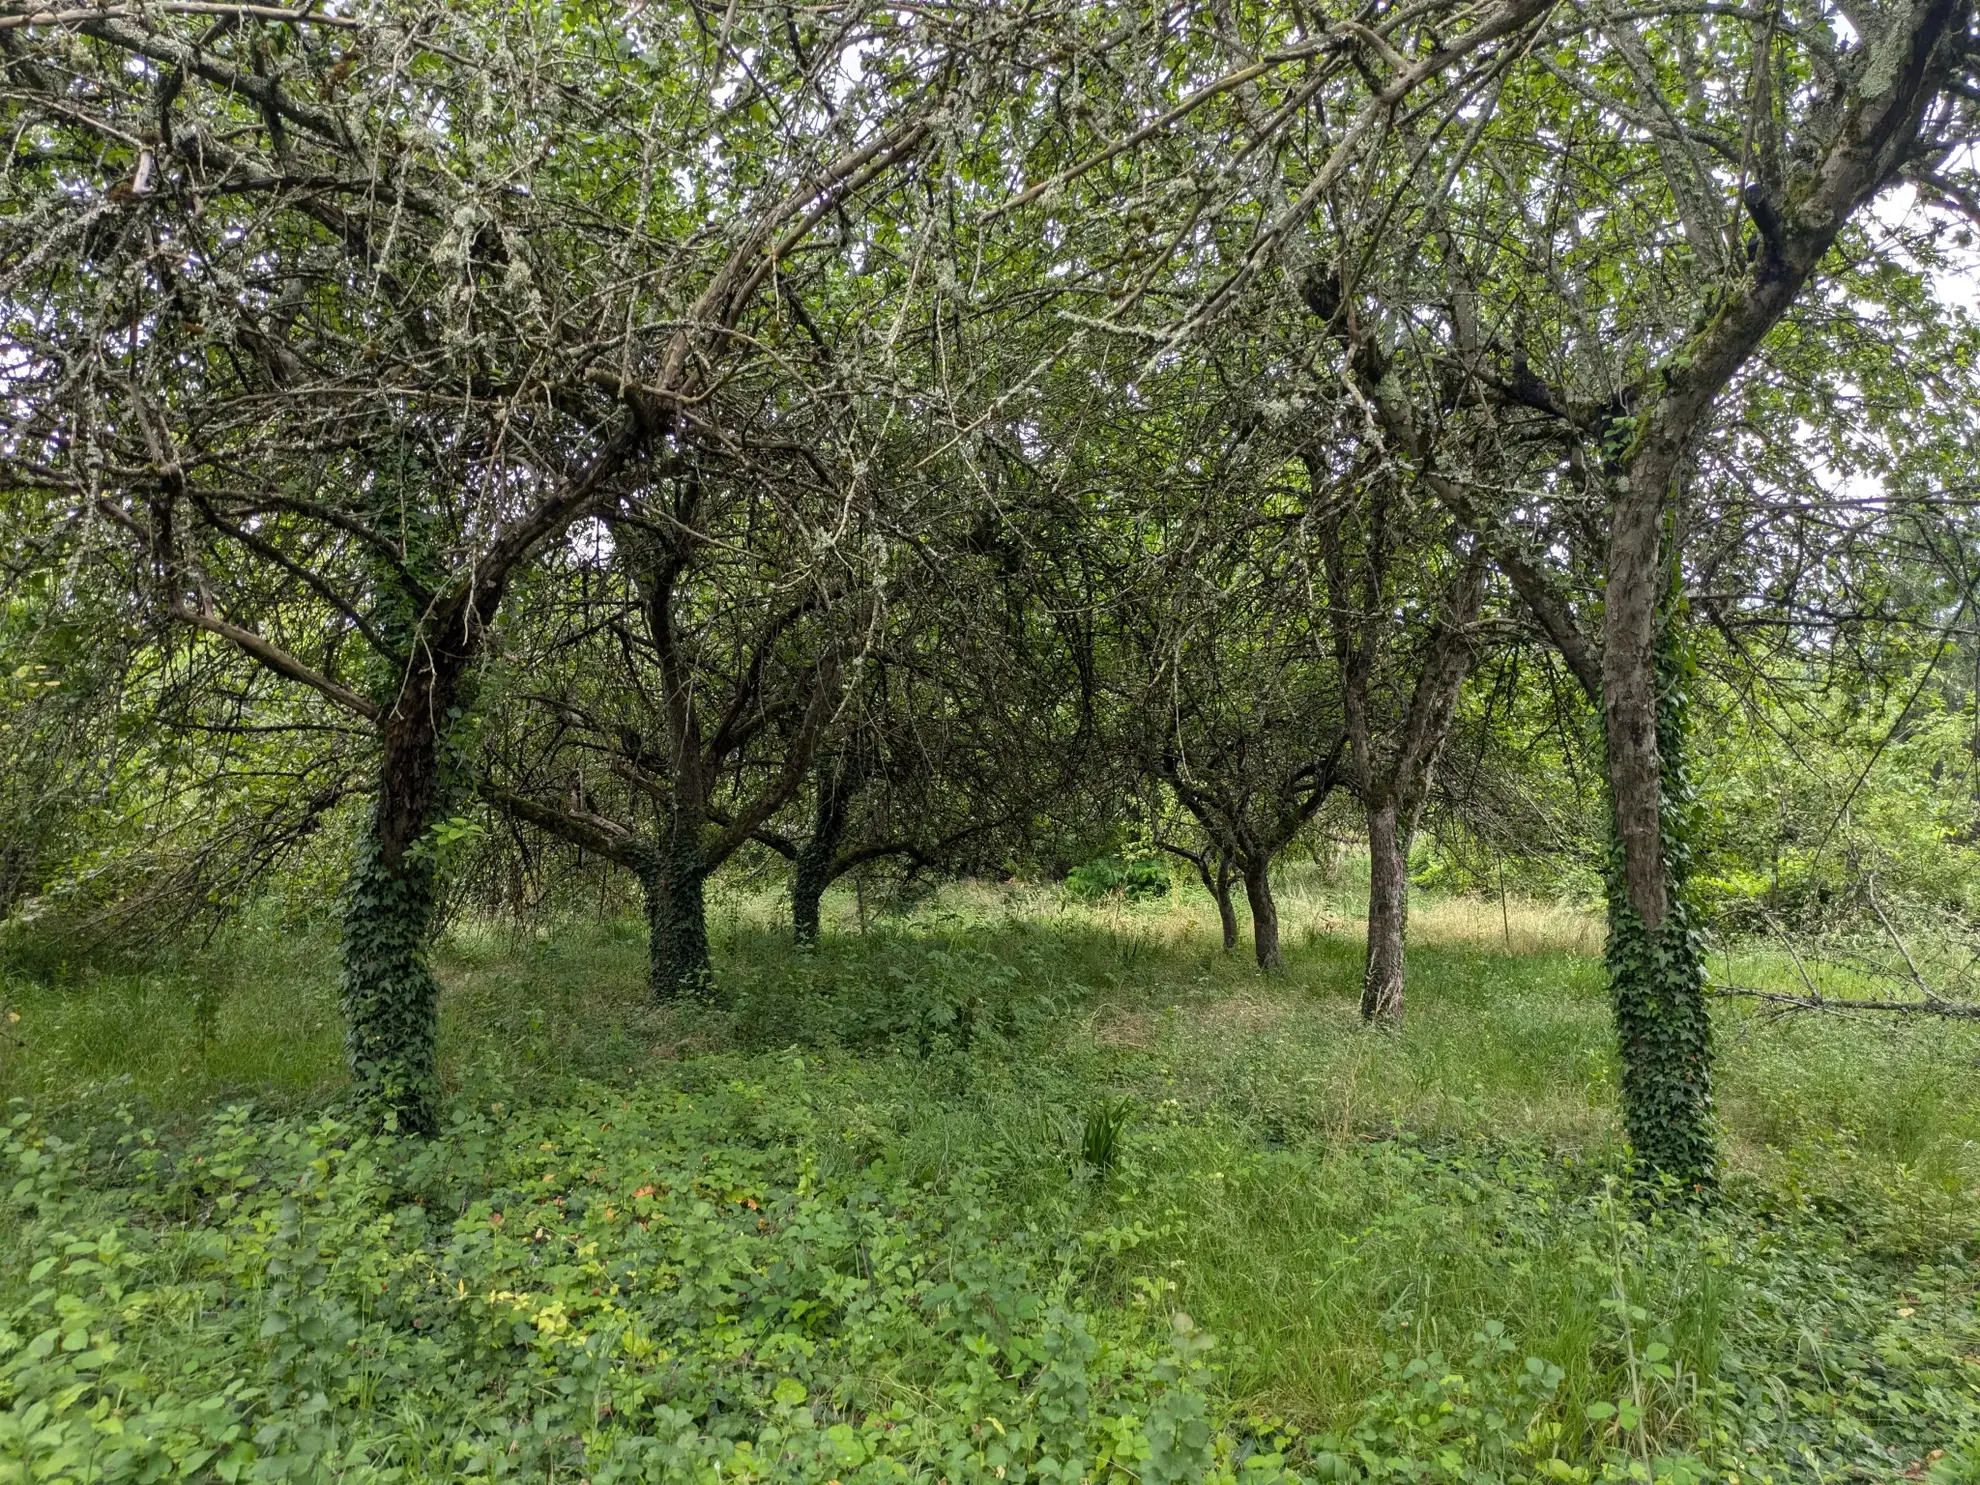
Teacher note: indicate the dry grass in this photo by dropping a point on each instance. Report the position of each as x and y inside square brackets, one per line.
[1313, 905]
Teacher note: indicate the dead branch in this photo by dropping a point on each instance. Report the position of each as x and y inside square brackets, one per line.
[1786, 1000]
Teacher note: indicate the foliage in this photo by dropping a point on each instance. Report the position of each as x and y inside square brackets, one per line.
[1821, 785]
[1657, 970]
[693, 1281]
[1111, 876]
[974, 433]
[1411, 1257]
[133, 808]
[936, 1000]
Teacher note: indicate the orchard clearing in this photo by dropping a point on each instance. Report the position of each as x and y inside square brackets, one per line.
[1008, 1189]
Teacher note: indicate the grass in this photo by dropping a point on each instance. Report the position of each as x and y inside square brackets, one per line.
[1327, 1202]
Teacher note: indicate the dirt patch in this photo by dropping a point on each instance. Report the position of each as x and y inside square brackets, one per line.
[1241, 1013]
[1237, 1015]
[1118, 1028]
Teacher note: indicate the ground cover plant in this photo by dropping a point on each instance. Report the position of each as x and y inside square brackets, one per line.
[847, 1227]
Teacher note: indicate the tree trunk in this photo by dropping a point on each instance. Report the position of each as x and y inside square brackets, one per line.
[1264, 912]
[1637, 578]
[678, 966]
[390, 998]
[1396, 805]
[811, 875]
[1657, 968]
[1226, 911]
[1388, 916]
[1218, 884]
[811, 870]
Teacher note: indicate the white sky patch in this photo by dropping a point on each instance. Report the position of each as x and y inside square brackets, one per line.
[1956, 283]
[1865, 486]
[591, 539]
[851, 71]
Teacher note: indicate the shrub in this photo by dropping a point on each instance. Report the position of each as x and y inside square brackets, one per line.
[1111, 876]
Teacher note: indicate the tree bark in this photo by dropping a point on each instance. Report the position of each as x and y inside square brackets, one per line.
[674, 885]
[1636, 580]
[1657, 970]
[1388, 916]
[811, 868]
[390, 998]
[1264, 912]
[809, 878]
[1220, 888]
[1398, 800]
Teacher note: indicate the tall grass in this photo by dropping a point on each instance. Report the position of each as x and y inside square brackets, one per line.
[1314, 905]
[1317, 1194]
[1497, 1044]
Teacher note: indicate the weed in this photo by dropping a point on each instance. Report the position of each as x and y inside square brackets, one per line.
[1112, 876]
[1100, 1138]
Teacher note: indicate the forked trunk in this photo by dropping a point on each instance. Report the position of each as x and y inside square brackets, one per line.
[1218, 884]
[1388, 917]
[1264, 912]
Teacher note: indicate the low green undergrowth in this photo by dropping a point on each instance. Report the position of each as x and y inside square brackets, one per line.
[753, 1269]
[676, 1282]
[1001, 1204]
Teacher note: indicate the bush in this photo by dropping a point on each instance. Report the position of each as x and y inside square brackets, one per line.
[1110, 876]
[893, 992]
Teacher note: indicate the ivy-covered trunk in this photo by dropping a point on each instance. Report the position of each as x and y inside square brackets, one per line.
[1388, 916]
[390, 999]
[673, 881]
[810, 876]
[391, 1008]
[1264, 911]
[1657, 970]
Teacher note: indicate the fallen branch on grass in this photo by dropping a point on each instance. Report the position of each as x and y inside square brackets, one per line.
[1955, 1009]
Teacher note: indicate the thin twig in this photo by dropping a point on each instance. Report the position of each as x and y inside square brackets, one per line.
[300, 16]
[1800, 968]
[1870, 891]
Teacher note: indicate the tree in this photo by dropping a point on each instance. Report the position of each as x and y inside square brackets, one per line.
[1636, 365]
[1232, 699]
[339, 340]
[699, 668]
[957, 745]
[1396, 722]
